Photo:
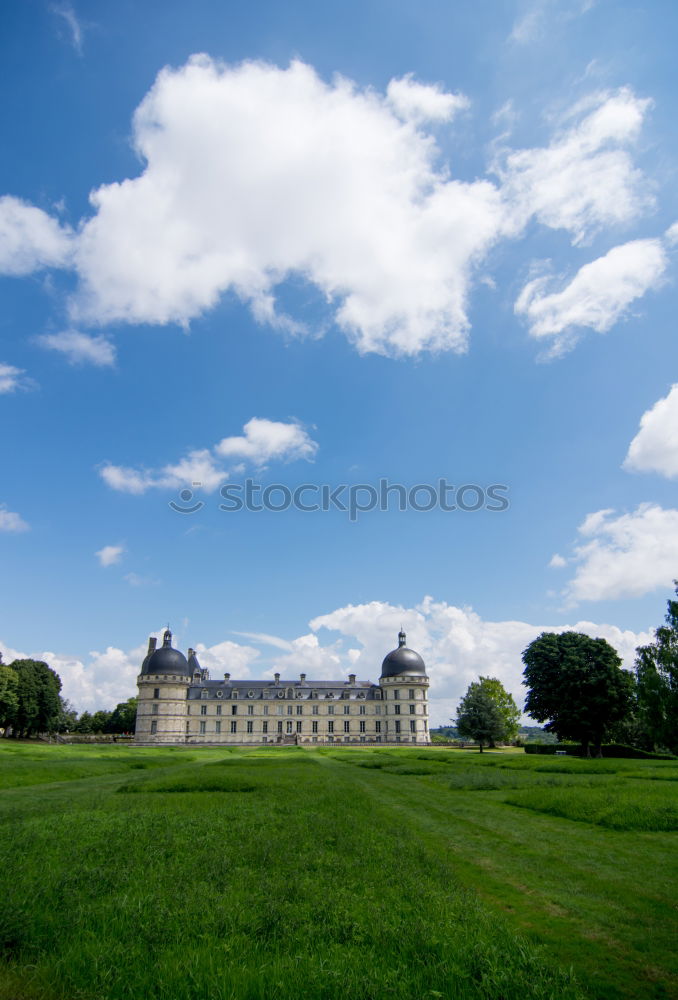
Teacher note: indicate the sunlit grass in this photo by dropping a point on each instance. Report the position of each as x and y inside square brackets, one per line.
[286, 873]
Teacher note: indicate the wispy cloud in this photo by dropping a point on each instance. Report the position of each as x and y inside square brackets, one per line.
[13, 379]
[80, 348]
[74, 26]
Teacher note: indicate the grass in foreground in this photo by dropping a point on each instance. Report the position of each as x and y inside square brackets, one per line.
[229, 875]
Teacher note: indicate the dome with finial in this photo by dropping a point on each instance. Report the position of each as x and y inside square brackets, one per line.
[402, 660]
[166, 660]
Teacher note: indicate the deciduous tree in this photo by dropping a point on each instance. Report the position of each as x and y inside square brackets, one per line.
[657, 677]
[479, 716]
[576, 686]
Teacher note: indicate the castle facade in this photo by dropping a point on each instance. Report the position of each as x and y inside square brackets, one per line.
[179, 704]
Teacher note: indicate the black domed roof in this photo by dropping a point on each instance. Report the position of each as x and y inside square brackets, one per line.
[402, 660]
[166, 660]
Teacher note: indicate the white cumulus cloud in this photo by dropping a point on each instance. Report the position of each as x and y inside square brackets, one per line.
[263, 440]
[585, 178]
[30, 239]
[422, 101]
[80, 348]
[598, 295]
[11, 522]
[624, 555]
[655, 446]
[110, 555]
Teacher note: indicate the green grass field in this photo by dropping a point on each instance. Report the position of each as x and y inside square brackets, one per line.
[290, 873]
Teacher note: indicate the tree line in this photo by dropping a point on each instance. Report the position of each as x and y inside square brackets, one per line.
[31, 703]
[577, 687]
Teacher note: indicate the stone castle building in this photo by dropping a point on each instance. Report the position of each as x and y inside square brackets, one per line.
[179, 703]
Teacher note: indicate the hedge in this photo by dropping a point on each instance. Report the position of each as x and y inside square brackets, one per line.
[608, 750]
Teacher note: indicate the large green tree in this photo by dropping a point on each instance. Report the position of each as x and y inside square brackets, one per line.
[657, 679]
[9, 695]
[576, 686]
[479, 717]
[39, 708]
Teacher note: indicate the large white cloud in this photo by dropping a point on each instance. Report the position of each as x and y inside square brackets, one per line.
[598, 295]
[456, 643]
[30, 239]
[655, 446]
[263, 441]
[624, 555]
[253, 174]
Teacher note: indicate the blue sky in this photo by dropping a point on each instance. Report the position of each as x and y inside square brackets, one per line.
[326, 244]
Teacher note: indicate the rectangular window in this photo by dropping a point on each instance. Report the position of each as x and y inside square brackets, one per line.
[413, 726]
[377, 726]
[234, 709]
[298, 727]
[203, 726]
[250, 709]
[300, 709]
[154, 710]
[363, 710]
[156, 692]
[397, 727]
[396, 695]
[314, 727]
[234, 694]
[203, 709]
[289, 728]
[217, 728]
[330, 727]
[250, 726]
[234, 726]
[188, 728]
[362, 726]
[347, 709]
[347, 726]
[218, 709]
[290, 709]
[411, 709]
[330, 709]
[316, 710]
[377, 709]
[154, 728]
[264, 727]
[397, 710]
[265, 709]
[411, 694]
[280, 710]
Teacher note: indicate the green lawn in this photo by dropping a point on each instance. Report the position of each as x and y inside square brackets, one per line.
[354, 874]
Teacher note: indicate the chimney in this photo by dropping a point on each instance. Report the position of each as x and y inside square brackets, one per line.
[303, 677]
[351, 678]
[227, 677]
[152, 643]
[191, 652]
[277, 678]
